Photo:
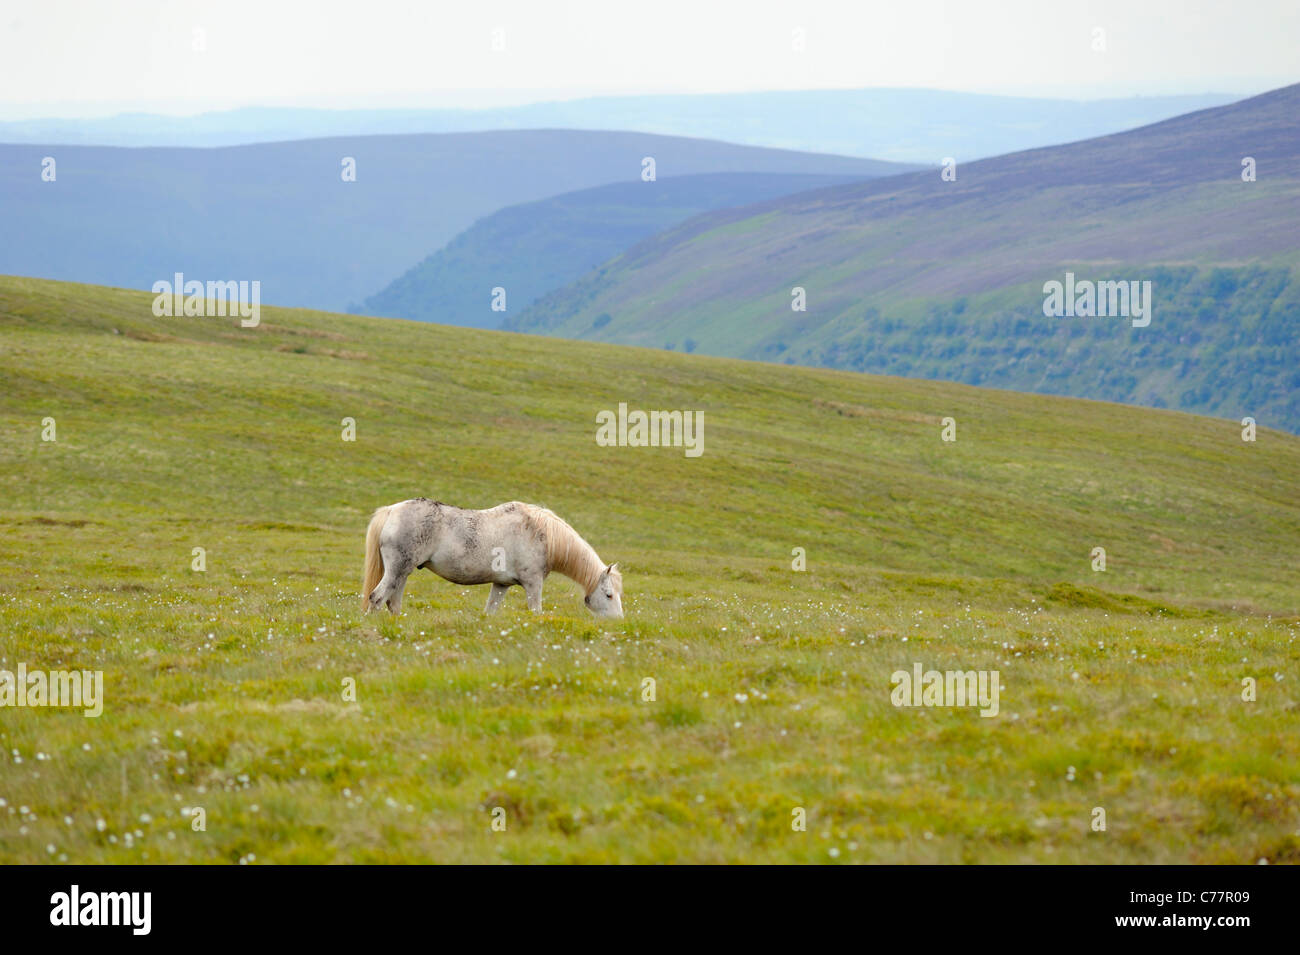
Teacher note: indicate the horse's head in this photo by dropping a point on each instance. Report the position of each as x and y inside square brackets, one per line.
[606, 598]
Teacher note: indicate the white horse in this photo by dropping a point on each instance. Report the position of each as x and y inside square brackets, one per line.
[509, 544]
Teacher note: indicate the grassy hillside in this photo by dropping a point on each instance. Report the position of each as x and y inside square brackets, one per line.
[1122, 689]
[920, 276]
[280, 213]
[538, 247]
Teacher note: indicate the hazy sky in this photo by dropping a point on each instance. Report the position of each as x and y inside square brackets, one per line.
[91, 57]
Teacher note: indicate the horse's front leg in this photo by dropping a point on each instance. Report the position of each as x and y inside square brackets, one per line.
[495, 597]
[533, 590]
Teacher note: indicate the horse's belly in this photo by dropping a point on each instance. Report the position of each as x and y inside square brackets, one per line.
[460, 575]
[462, 566]
[484, 554]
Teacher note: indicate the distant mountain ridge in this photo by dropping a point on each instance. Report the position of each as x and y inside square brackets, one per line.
[282, 214]
[903, 125]
[534, 248]
[931, 278]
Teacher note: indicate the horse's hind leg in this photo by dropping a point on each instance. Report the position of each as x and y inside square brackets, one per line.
[495, 598]
[398, 566]
[395, 598]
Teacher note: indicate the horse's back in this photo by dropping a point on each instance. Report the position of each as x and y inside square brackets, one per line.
[421, 521]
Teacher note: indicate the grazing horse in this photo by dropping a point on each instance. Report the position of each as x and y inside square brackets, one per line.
[509, 544]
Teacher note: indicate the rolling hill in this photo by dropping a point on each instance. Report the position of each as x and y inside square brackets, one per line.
[225, 685]
[903, 125]
[538, 247]
[281, 214]
[924, 277]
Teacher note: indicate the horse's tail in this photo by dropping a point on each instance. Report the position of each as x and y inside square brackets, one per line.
[374, 559]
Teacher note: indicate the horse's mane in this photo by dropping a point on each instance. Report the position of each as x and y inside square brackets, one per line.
[566, 551]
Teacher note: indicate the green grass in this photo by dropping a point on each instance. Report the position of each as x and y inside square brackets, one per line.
[224, 688]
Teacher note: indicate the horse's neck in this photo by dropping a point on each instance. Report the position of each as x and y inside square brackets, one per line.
[577, 560]
[583, 566]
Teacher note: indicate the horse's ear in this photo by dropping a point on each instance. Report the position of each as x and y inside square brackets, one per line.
[612, 568]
